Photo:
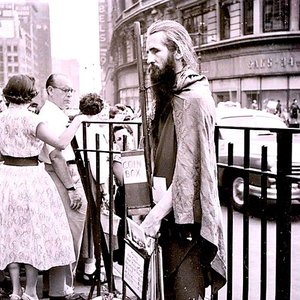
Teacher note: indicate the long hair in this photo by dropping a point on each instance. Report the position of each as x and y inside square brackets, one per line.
[178, 38]
[20, 89]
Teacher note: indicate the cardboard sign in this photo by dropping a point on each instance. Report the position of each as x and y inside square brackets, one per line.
[135, 270]
[134, 168]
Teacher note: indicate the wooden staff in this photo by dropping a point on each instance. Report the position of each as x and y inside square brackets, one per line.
[157, 287]
[143, 104]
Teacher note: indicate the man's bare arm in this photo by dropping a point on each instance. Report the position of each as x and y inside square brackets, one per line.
[61, 169]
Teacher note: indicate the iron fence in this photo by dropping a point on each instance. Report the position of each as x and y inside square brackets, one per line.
[285, 176]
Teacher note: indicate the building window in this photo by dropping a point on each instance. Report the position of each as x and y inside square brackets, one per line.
[15, 58]
[8, 48]
[224, 22]
[276, 15]
[122, 5]
[123, 50]
[195, 20]
[248, 17]
[15, 48]
[133, 45]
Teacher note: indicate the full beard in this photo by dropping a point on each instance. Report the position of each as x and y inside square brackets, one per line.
[162, 82]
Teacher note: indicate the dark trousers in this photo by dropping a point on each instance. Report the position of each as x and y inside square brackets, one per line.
[184, 273]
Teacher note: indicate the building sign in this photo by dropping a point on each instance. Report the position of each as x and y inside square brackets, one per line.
[102, 31]
[266, 63]
[276, 62]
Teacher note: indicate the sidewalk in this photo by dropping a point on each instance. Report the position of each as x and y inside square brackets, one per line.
[80, 287]
[117, 272]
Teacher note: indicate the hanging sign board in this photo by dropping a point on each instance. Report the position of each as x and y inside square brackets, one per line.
[137, 196]
[135, 270]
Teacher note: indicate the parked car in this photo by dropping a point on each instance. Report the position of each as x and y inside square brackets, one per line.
[232, 180]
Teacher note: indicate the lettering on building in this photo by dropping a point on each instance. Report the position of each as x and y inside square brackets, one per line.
[276, 62]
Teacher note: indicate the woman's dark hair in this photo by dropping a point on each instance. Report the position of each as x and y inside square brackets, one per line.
[20, 89]
[91, 104]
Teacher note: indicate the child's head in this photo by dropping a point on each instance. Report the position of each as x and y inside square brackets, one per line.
[91, 104]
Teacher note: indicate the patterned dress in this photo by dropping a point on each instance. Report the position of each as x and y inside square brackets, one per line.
[33, 224]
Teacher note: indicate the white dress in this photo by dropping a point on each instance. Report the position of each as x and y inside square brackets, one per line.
[33, 224]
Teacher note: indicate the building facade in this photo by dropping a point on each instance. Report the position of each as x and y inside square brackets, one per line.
[248, 49]
[25, 40]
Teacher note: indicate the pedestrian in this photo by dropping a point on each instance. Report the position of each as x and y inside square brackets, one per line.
[188, 215]
[34, 227]
[62, 168]
[278, 109]
[123, 141]
[294, 109]
[92, 105]
[254, 104]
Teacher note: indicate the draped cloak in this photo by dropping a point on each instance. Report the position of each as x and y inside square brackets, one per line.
[195, 189]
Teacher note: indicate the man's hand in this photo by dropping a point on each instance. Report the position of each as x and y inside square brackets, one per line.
[151, 224]
[75, 199]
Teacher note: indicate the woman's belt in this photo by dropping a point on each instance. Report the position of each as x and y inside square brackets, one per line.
[20, 161]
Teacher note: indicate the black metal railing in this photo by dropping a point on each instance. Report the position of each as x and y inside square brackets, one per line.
[286, 173]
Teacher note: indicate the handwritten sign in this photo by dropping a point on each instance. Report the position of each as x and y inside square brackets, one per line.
[134, 167]
[135, 270]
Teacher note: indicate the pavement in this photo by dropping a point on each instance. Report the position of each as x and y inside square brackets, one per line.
[104, 294]
[79, 287]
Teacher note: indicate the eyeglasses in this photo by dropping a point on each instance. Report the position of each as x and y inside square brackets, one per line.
[65, 90]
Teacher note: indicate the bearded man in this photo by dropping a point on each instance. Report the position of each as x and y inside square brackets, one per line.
[188, 215]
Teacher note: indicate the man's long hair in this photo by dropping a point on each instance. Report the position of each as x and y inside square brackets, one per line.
[178, 38]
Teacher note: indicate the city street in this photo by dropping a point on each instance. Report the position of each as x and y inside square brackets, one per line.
[254, 258]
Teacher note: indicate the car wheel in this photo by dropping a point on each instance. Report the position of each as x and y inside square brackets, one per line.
[237, 193]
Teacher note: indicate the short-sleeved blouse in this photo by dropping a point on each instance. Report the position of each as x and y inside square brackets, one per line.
[18, 132]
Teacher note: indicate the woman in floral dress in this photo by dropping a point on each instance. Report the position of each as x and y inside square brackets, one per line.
[33, 226]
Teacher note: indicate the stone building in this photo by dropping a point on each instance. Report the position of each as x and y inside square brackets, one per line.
[249, 50]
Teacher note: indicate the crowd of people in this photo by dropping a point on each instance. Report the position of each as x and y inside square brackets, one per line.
[289, 114]
[43, 205]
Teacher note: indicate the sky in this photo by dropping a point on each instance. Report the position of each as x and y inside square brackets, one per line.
[75, 35]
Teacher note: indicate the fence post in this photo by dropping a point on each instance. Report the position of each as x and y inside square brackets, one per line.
[283, 228]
